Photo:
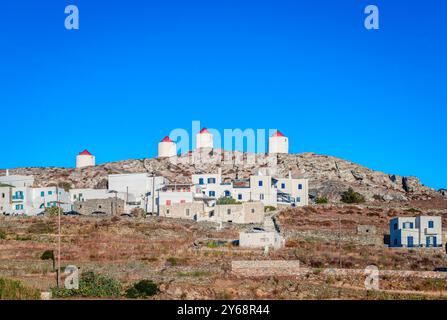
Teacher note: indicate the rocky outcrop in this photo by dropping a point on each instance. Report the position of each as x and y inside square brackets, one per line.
[328, 176]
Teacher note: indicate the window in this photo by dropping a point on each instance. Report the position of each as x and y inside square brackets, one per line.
[407, 225]
[239, 196]
[227, 193]
[182, 201]
[42, 194]
[187, 212]
[212, 193]
[201, 181]
[261, 196]
[228, 211]
[50, 193]
[252, 210]
[212, 180]
[298, 199]
[283, 185]
[3, 195]
[300, 186]
[167, 211]
[430, 224]
[260, 183]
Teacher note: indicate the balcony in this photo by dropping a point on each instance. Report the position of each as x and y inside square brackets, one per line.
[430, 231]
[17, 198]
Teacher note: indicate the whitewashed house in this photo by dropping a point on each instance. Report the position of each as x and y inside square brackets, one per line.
[421, 231]
[140, 190]
[29, 201]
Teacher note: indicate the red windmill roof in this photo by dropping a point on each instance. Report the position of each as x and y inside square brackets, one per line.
[278, 134]
[166, 139]
[204, 130]
[85, 153]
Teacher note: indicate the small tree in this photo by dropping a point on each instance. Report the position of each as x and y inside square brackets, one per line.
[51, 211]
[351, 196]
[138, 213]
[142, 289]
[321, 200]
[49, 255]
[65, 185]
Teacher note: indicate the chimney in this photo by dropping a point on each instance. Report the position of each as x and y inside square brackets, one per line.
[7, 172]
[290, 174]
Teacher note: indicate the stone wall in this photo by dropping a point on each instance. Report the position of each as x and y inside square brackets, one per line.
[267, 268]
[261, 268]
[106, 206]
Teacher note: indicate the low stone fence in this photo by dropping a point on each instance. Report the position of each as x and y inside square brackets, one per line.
[262, 268]
[267, 268]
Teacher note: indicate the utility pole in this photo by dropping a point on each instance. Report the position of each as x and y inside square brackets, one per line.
[153, 192]
[339, 242]
[59, 238]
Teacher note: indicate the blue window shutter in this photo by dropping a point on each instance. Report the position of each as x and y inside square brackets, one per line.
[430, 224]
[260, 183]
[300, 186]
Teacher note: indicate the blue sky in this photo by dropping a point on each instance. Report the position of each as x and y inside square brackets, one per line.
[137, 69]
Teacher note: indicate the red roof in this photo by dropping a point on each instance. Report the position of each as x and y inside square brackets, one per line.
[166, 139]
[278, 134]
[204, 130]
[85, 153]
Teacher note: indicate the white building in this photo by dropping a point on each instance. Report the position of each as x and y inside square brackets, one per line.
[85, 159]
[270, 191]
[261, 239]
[278, 143]
[17, 180]
[204, 140]
[86, 194]
[175, 193]
[167, 148]
[421, 231]
[29, 201]
[140, 190]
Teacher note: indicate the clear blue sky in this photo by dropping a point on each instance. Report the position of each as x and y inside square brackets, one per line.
[137, 69]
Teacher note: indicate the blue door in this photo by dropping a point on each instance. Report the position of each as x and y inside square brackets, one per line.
[410, 241]
[434, 242]
[427, 242]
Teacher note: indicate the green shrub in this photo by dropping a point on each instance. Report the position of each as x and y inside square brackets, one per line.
[91, 284]
[2, 234]
[413, 210]
[269, 208]
[351, 196]
[212, 244]
[15, 290]
[48, 255]
[52, 211]
[321, 200]
[65, 185]
[142, 289]
[227, 200]
[172, 261]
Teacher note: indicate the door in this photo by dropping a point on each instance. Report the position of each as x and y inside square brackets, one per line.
[434, 242]
[410, 241]
[427, 242]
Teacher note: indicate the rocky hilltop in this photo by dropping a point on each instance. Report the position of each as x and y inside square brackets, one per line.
[328, 176]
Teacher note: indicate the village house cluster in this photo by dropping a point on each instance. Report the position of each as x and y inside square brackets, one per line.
[200, 199]
[204, 198]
